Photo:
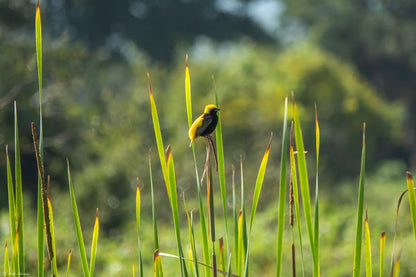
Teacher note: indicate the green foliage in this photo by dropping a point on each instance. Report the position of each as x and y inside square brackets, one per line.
[78, 229]
[304, 185]
[360, 209]
[109, 129]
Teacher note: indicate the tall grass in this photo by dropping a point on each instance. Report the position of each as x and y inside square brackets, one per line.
[360, 208]
[220, 256]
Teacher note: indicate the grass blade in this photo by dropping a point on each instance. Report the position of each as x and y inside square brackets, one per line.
[80, 239]
[40, 215]
[241, 252]
[94, 243]
[412, 199]
[392, 261]
[259, 182]
[155, 233]
[304, 183]
[174, 206]
[10, 192]
[396, 270]
[204, 232]
[229, 267]
[243, 224]
[293, 174]
[222, 254]
[6, 265]
[367, 243]
[316, 225]
[168, 174]
[15, 256]
[157, 264]
[38, 35]
[54, 265]
[138, 202]
[210, 199]
[158, 136]
[235, 218]
[382, 252]
[359, 231]
[282, 193]
[256, 196]
[192, 250]
[188, 93]
[19, 192]
[211, 214]
[221, 166]
[68, 263]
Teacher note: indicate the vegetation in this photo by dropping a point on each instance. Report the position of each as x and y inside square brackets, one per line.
[229, 228]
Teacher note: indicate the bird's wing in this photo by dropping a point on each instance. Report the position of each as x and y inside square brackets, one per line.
[197, 124]
[206, 119]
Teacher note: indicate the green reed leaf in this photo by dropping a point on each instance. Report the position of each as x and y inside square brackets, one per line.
[80, 239]
[203, 226]
[94, 243]
[412, 199]
[138, 204]
[52, 230]
[359, 230]
[282, 192]
[382, 252]
[304, 184]
[367, 244]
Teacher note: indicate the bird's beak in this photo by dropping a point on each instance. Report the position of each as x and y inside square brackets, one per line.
[217, 109]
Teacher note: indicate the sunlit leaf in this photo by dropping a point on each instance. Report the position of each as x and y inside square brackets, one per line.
[68, 263]
[282, 193]
[382, 252]
[412, 200]
[94, 244]
[138, 204]
[52, 230]
[304, 184]
[367, 243]
[359, 230]
[80, 239]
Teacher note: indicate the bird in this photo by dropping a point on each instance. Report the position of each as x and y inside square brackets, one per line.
[205, 124]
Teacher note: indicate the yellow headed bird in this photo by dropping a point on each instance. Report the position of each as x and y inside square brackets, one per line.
[204, 125]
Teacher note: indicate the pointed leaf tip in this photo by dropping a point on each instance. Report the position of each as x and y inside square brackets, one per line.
[270, 141]
[409, 175]
[150, 83]
[96, 213]
[292, 94]
[383, 235]
[366, 214]
[186, 59]
[213, 82]
[138, 182]
[168, 153]
[155, 255]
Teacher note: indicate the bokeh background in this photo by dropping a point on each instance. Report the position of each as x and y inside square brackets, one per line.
[356, 60]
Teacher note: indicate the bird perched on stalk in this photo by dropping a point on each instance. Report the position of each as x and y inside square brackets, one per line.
[205, 124]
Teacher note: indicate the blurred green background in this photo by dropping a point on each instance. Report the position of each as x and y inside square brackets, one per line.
[355, 60]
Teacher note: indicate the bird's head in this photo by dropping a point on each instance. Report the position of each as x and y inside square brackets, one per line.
[210, 108]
